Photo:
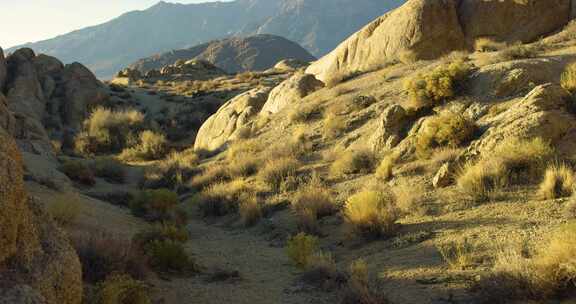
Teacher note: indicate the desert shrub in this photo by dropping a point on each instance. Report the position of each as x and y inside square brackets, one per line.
[353, 162]
[312, 202]
[244, 165]
[248, 76]
[103, 255]
[109, 169]
[384, 170]
[171, 172]
[410, 197]
[518, 51]
[322, 272]
[159, 232]
[568, 78]
[216, 173]
[150, 146]
[77, 171]
[169, 256]
[458, 254]
[221, 198]
[65, 208]
[301, 248]
[558, 182]
[123, 289]
[513, 161]
[360, 289]
[549, 273]
[277, 171]
[334, 125]
[250, 209]
[485, 44]
[108, 131]
[155, 205]
[371, 214]
[438, 85]
[445, 130]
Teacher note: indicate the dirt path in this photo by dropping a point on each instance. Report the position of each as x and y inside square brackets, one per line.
[266, 275]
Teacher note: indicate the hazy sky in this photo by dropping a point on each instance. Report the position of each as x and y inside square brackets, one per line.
[32, 20]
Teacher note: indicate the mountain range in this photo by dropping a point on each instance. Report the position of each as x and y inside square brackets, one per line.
[318, 25]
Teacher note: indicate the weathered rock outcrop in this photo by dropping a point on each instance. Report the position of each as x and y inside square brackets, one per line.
[33, 250]
[542, 113]
[291, 91]
[427, 29]
[3, 71]
[44, 94]
[290, 65]
[390, 124]
[231, 118]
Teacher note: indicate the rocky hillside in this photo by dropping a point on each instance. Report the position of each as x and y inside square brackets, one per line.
[233, 55]
[317, 25]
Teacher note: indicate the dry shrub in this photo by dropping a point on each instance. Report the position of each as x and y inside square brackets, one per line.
[360, 289]
[458, 254]
[277, 171]
[102, 255]
[568, 78]
[410, 197]
[312, 202]
[150, 146]
[549, 273]
[110, 169]
[514, 161]
[486, 44]
[438, 85]
[384, 170]
[518, 51]
[171, 172]
[250, 209]
[244, 165]
[108, 131]
[334, 125]
[77, 171]
[372, 214]
[445, 130]
[301, 248]
[65, 208]
[322, 272]
[216, 173]
[242, 147]
[558, 182]
[155, 205]
[353, 162]
[304, 113]
[222, 198]
[123, 289]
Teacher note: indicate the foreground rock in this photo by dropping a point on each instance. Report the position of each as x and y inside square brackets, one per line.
[36, 260]
[231, 119]
[428, 29]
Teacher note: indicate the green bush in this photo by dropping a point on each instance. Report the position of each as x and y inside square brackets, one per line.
[77, 171]
[445, 130]
[301, 248]
[155, 205]
[438, 85]
[164, 231]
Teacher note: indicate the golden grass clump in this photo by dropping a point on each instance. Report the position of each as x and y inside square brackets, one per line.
[458, 254]
[353, 162]
[410, 197]
[277, 171]
[514, 161]
[372, 213]
[250, 209]
[121, 288]
[438, 85]
[334, 125]
[312, 202]
[150, 146]
[210, 175]
[65, 208]
[568, 78]
[301, 248]
[547, 274]
[445, 130]
[222, 198]
[384, 170]
[558, 182]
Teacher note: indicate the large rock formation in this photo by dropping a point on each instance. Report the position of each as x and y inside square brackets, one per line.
[254, 53]
[291, 91]
[36, 260]
[47, 97]
[232, 117]
[3, 70]
[427, 29]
